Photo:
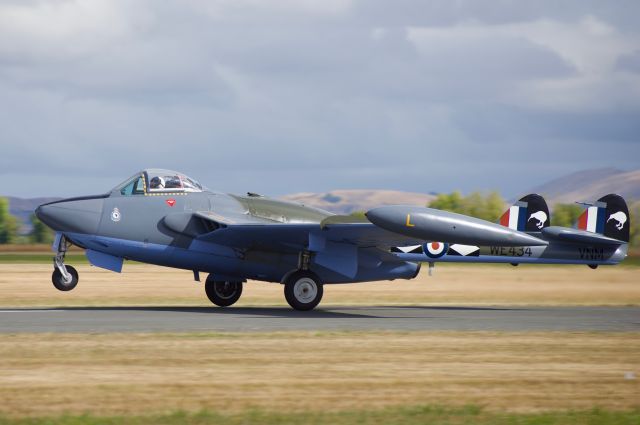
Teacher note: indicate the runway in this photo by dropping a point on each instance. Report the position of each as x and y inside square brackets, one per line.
[267, 319]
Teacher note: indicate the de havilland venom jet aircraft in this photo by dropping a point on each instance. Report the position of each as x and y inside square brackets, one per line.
[166, 218]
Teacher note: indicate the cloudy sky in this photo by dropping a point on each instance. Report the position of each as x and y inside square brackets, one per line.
[287, 96]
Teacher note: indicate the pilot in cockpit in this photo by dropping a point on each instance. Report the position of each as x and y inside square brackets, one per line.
[157, 183]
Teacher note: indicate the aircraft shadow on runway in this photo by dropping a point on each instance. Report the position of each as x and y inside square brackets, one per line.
[356, 312]
[283, 312]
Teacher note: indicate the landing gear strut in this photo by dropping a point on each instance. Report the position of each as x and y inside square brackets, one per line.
[64, 277]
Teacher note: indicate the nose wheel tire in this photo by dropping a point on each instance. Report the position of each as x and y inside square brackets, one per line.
[303, 290]
[221, 292]
[63, 284]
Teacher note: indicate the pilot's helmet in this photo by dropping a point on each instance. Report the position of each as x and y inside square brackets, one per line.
[157, 182]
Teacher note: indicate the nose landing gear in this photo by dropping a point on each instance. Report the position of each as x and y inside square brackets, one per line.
[64, 277]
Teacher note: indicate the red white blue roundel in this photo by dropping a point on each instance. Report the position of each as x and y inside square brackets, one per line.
[435, 249]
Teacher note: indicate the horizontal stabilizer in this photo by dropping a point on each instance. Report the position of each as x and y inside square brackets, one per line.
[566, 234]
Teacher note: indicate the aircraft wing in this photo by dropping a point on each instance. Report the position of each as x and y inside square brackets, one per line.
[384, 227]
[340, 243]
[295, 236]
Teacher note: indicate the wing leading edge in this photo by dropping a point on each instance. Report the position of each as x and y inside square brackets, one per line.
[297, 236]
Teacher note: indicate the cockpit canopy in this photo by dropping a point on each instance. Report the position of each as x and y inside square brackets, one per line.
[158, 181]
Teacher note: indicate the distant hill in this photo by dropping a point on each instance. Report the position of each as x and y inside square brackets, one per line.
[589, 185]
[348, 201]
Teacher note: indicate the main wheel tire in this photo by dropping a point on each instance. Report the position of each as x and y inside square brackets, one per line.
[222, 293]
[60, 283]
[303, 290]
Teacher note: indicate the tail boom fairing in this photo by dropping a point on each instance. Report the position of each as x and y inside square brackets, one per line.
[600, 237]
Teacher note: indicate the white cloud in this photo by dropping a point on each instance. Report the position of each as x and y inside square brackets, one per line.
[62, 28]
[589, 45]
[294, 95]
[226, 9]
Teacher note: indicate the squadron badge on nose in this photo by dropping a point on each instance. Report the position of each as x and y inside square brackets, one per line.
[115, 215]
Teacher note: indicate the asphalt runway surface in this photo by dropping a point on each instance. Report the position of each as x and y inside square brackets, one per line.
[265, 319]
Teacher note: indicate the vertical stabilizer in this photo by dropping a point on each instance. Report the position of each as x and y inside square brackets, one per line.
[609, 216]
[616, 217]
[529, 214]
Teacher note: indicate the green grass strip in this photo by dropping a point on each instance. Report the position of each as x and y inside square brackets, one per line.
[434, 415]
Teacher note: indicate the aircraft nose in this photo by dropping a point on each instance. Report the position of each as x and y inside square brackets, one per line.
[74, 216]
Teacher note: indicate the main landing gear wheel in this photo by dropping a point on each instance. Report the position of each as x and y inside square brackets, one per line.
[221, 292]
[63, 284]
[303, 290]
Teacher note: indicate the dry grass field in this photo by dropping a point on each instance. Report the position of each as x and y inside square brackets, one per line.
[154, 373]
[30, 285]
[288, 372]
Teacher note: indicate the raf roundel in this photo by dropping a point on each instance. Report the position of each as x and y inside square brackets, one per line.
[435, 249]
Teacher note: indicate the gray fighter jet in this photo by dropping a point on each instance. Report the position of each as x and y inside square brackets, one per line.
[165, 218]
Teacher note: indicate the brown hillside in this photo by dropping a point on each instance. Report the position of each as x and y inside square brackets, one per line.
[348, 201]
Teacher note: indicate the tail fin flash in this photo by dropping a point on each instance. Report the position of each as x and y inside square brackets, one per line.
[608, 216]
[529, 214]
